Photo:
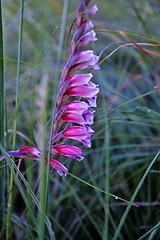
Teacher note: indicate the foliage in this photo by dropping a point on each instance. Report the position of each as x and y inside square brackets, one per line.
[124, 158]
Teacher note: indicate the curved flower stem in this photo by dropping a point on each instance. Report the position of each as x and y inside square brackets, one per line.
[135, 45]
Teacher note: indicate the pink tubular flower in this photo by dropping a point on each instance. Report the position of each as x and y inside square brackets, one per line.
[83, 91]
[80, 31]
[68, 151]
[84, 59]
[26, 151]
[86, 39]
[81, 60]
[76, 106]
[73, 116]
[80, 79]
[80, 134]
[85, 118]
[35, 154]
[91, 11]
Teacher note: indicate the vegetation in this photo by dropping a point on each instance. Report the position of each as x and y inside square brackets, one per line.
[114, 192]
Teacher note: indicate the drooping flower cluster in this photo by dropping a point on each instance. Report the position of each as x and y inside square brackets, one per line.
[77, 94]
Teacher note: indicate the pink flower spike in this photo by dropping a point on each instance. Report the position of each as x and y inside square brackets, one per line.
[60, 168]
[79, 133]
[68, 151]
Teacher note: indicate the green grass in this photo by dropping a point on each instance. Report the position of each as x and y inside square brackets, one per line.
[2, 115]
[98, 198]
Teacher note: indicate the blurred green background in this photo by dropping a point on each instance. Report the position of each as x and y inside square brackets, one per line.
[127, 125]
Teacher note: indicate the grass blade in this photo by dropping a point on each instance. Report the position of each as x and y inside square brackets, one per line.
[133, 197]
[2, 113]
[10, 173]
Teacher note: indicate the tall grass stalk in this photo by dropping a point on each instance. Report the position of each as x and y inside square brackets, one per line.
[62, 32]
[43, 172]
[107, 182]
[2, 115]
[116, 235]
[10, 172]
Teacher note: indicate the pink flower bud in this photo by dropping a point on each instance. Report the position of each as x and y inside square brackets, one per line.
[86, 39]
[92, 10]
[82, 60]
[59, 167]
[80, 31]
[26, 151]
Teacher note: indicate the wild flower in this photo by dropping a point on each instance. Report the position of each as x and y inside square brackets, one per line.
[77, 94]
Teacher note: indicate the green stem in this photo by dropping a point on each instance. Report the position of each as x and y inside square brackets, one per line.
[62, 32]
[2, 117]
[43, 173]
[1, 80]
[107, 185]
[11, 176]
